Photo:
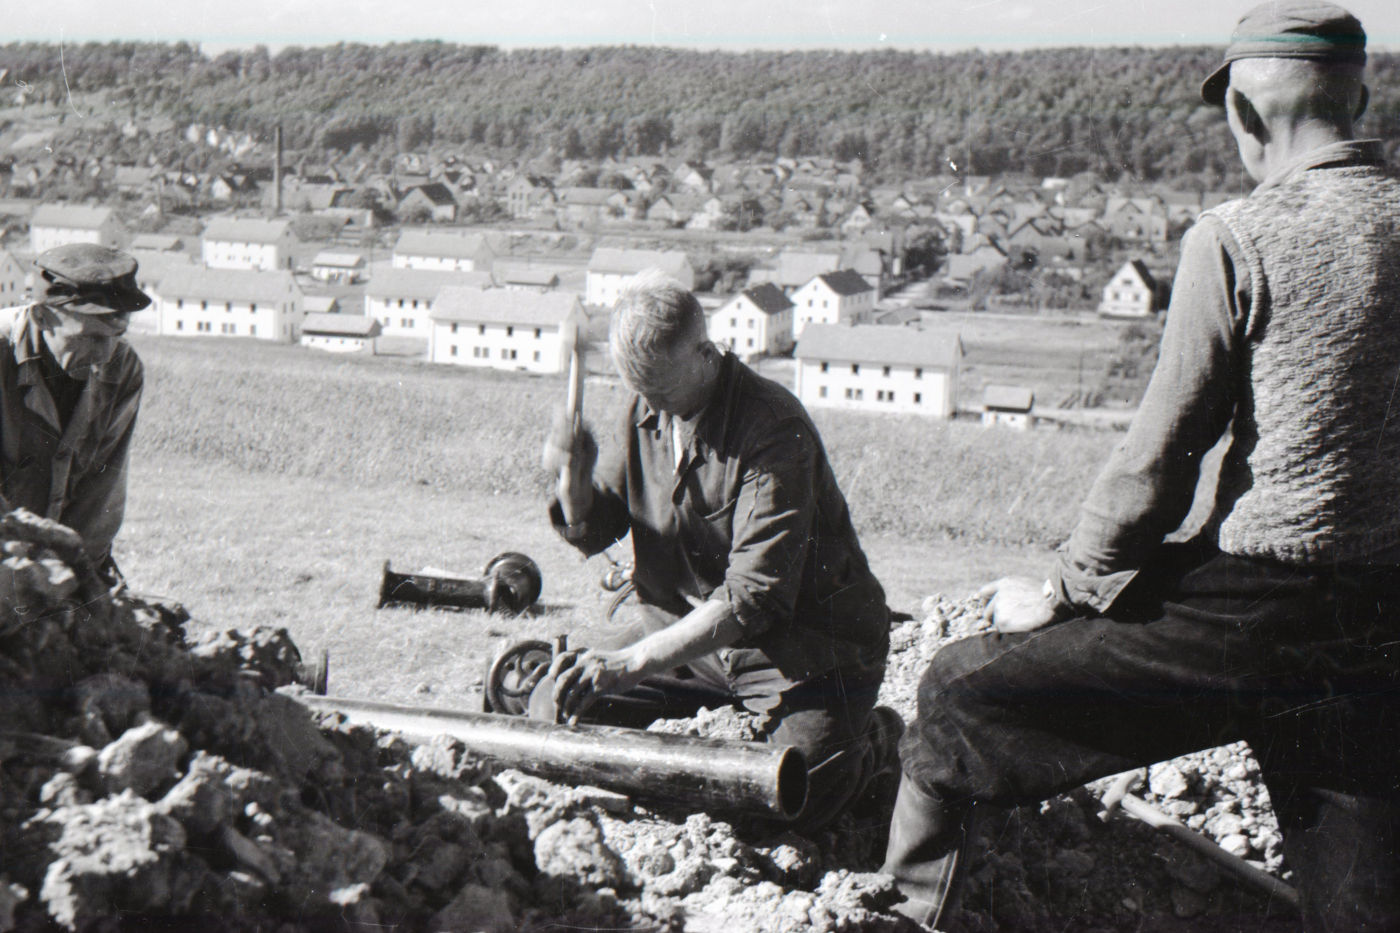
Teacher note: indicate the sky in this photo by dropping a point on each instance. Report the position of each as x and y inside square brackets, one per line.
[938, 25]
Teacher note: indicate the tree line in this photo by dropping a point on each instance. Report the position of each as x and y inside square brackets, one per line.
[1119, 111]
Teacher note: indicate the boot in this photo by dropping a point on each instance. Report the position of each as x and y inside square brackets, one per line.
[925, 853]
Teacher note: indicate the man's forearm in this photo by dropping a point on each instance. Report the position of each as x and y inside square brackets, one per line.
[705, 629]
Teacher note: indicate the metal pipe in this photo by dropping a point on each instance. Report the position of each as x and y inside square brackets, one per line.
[718, 774]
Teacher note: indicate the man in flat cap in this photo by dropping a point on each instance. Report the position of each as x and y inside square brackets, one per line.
[70, 388]
[1279, 621]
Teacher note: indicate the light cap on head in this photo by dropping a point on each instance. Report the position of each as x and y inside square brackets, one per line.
[1302, 29]
[85, 278]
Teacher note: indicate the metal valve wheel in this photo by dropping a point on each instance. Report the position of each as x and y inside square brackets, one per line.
[513, 674]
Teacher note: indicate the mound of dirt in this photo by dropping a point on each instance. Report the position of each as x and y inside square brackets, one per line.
[152, 779]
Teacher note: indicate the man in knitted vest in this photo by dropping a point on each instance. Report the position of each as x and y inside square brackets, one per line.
[1279, 621]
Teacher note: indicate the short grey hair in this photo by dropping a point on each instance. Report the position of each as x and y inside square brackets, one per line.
[654, 316]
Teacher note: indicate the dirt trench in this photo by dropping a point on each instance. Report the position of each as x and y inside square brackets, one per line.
[150, 779]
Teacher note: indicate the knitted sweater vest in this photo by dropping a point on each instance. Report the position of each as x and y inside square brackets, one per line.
[1313, 475]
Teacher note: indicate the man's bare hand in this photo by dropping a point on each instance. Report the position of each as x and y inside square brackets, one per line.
[581, 677]
[570, 452]
[1017, 604]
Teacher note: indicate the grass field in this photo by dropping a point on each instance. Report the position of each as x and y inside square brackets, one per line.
[270, 484]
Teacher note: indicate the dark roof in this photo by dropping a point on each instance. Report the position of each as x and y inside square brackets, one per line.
[436, 192]
[888, 346]
[768, 298]
[845, 282]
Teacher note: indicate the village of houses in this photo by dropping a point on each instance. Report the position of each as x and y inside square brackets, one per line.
[826, 296]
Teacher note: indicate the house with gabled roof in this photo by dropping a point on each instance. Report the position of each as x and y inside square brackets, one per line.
[1132, 292]
[526, 276]
[1142, 219]
[504, 329]
[248, 243]
[151, 269]
[339, 333]
[795, 268]
[840, 297]
[58, 224]
[443, 251]
[435, 200]
[872, 368]
[527, 194]
[337, 267]
[14, 280]
[609, 268]
[195, 301]
[1008, 406]
[756, 321]
[402, 299]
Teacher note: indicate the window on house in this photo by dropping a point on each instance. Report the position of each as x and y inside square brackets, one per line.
[253, 307]
[889, 396]
[821, 391]
[510, 331]
[918, 397]
[400, 302]
[855, 369]
[513, 354]
[751, 323]
[734, 322]
[179, 325]
[750, 341]
[454, 328]
[537, 356]
[415, 303]
[860, 394]
[481, 328]
[886, 372]
[850, 393]
[918, 372]
[204, 306]
[538, 333]
[252, 330]
[453, 351]
[879, 395]
[179, 303]
[228, 306]
[503, 353]
[824, 366]
[406, 322]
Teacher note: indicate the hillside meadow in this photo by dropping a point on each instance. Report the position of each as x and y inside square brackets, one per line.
[270, 484]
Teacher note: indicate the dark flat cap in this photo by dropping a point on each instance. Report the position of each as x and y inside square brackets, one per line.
[88, 279]
[1307, 29]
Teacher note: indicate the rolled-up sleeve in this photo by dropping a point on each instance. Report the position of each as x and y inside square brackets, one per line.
[1147, 487]
[774, 514]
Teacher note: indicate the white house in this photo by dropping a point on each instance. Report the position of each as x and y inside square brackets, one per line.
[756, 321]
[339, 333]
[840, 297]
[248, 243]
[401, 300]
[609, 268]
[443, 252]
[197, 301]
[59, 224]
[1008, 406]
[336, 267]
[151, 270]
[504, 328]
[14, 280]
[872, 368]
[1132, 292]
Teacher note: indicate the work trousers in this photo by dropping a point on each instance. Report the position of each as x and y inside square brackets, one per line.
[826, 717]
[1200, 650]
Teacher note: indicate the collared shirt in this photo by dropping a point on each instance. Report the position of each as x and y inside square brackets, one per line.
[1146, 489]
[69, 469]
[740, 504]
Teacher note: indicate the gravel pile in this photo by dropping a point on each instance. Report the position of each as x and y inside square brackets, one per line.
[151, 779]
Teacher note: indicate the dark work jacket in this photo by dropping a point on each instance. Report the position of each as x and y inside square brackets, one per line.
[752, 516]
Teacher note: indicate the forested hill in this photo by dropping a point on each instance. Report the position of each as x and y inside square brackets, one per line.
[1055, 111]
